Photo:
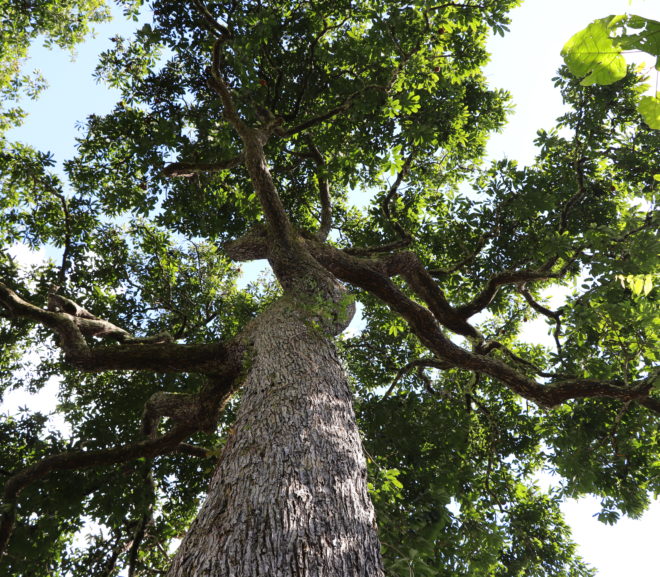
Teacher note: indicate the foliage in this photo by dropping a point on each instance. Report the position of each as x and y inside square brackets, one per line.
[62, 24]
[595, 54]
[384, 105]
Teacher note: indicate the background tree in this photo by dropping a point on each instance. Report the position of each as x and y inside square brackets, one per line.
[380, 100]
[63, 24]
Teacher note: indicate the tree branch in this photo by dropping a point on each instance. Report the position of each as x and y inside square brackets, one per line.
[188, 169]
[376, 249]
[492, 345]
[71, 323]
[392, 193]
[310, 61]
[554, 315]
[218, 84]
[64, 266]
[195, 451]
[145, 520]
[486, 296]
[373, 275]
[324, 190]
[219, 30]
[199, 409]
[189, 413]
[79, 460]
[344, 106]
[411, 269]
[418, 363]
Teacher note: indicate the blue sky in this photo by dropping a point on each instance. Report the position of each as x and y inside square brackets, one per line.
[523, 62]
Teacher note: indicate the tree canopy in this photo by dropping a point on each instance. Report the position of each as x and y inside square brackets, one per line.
[372, 118]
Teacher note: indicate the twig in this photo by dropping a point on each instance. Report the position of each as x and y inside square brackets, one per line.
[554, 315]
[392, 193]
[62, 273]
[418, 363]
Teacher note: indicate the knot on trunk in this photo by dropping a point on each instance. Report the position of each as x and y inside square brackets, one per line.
[185, 410]
[327, 307]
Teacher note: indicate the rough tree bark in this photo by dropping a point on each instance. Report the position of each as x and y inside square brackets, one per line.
[289, 495]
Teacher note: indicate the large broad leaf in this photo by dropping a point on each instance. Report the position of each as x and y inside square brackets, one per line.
[649, 108]
[592, 54]
[647, 39]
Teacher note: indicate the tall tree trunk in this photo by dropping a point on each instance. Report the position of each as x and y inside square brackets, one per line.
[289, 495]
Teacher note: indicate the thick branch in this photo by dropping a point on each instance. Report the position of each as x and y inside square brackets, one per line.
[189, 413]
[373, 275]
[217, 83]
[411, 269]
[254, 158]
[217, 29]
[253, 245]
[199, 409]
[486, 296]
[80, 460]
[188, 169]
[71, 323]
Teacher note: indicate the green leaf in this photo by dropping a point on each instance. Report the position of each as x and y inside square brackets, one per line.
[648, 284]
[592, 54]
[649, 108]
[647, 40]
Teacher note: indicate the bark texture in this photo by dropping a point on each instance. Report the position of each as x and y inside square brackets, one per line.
[289, 495]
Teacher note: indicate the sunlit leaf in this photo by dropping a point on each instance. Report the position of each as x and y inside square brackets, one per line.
[593, 56]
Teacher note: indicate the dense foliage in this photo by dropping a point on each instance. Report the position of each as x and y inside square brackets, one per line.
[378, 114]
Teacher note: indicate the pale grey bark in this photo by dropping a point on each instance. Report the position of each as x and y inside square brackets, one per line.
[289, 496]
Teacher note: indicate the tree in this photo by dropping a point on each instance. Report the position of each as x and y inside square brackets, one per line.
[248, 130]
[63, 24]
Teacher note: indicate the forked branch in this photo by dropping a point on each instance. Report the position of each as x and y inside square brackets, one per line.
[73, 325]
[189, 413]
[486, 296]
[539, 308]
[416, 364]
[374, 276]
